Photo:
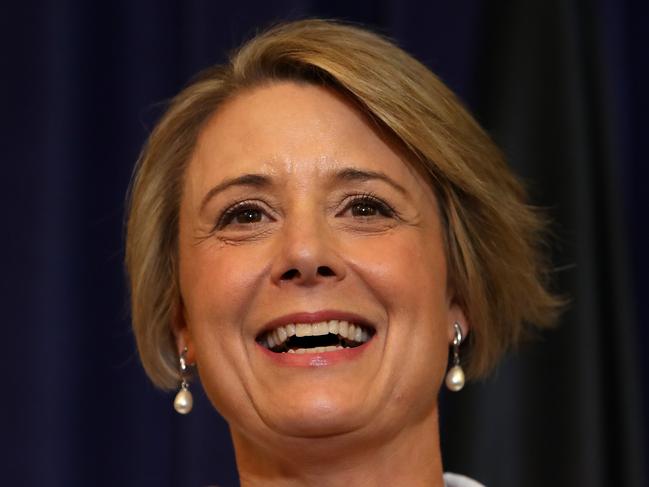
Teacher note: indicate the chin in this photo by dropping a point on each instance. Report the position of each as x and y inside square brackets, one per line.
[319, 415]
[302, 407]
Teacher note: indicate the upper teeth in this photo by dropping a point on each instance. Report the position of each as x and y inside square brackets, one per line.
[342, 328]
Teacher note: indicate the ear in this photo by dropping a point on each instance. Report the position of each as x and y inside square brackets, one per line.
[456, 315]
[181, 332]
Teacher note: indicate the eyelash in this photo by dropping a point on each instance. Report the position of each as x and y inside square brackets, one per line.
[371, 199]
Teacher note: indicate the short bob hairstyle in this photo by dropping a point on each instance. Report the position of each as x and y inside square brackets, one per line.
[493, 238]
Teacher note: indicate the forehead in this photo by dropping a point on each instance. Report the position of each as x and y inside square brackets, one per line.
[286, 128]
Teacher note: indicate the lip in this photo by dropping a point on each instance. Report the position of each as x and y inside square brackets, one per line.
[316, 359]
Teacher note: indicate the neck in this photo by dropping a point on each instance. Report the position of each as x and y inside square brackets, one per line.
[410, 456]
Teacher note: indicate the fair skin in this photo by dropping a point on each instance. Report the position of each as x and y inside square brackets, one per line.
[295, 209]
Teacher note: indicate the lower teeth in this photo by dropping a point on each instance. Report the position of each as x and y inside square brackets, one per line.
[316, 349]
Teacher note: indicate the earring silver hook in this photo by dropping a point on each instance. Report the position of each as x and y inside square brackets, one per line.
[183, 361]
[457, 339]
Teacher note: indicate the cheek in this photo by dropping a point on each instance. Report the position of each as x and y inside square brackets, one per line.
[217, 281]
[406, 269]
[217, 286]
[407, 273]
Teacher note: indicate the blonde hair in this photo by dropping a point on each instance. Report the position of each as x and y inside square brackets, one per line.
[495, 264]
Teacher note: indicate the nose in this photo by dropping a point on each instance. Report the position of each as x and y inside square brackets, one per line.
[307, 255]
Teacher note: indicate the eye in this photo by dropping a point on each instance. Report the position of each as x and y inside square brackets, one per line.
[368, 206]
[363, 209]
[243, 213]
[250, 215]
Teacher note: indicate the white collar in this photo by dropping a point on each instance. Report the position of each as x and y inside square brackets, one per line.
[455, 480]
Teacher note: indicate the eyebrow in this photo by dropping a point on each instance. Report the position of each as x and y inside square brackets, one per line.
[251, 180]
[262, 181]
[358, 175]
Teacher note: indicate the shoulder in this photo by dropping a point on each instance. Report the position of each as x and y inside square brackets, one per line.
[455, 480]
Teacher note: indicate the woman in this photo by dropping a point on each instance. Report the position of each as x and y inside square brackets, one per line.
[313, 227]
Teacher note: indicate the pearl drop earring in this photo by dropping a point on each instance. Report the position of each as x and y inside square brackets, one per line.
[455, 376]
[184, 401]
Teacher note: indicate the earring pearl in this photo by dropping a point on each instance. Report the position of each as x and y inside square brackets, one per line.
[184, 401]
[455, 378]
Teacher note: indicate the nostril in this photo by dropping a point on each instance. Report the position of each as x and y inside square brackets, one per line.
[325, 271]
[290, 274]
[295, 274]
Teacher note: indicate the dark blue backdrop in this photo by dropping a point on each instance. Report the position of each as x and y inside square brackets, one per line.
[561, 84]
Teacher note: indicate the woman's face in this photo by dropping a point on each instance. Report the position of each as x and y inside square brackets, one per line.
[297, 217]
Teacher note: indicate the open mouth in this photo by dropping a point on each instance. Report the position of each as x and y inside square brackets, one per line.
[325, 336]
